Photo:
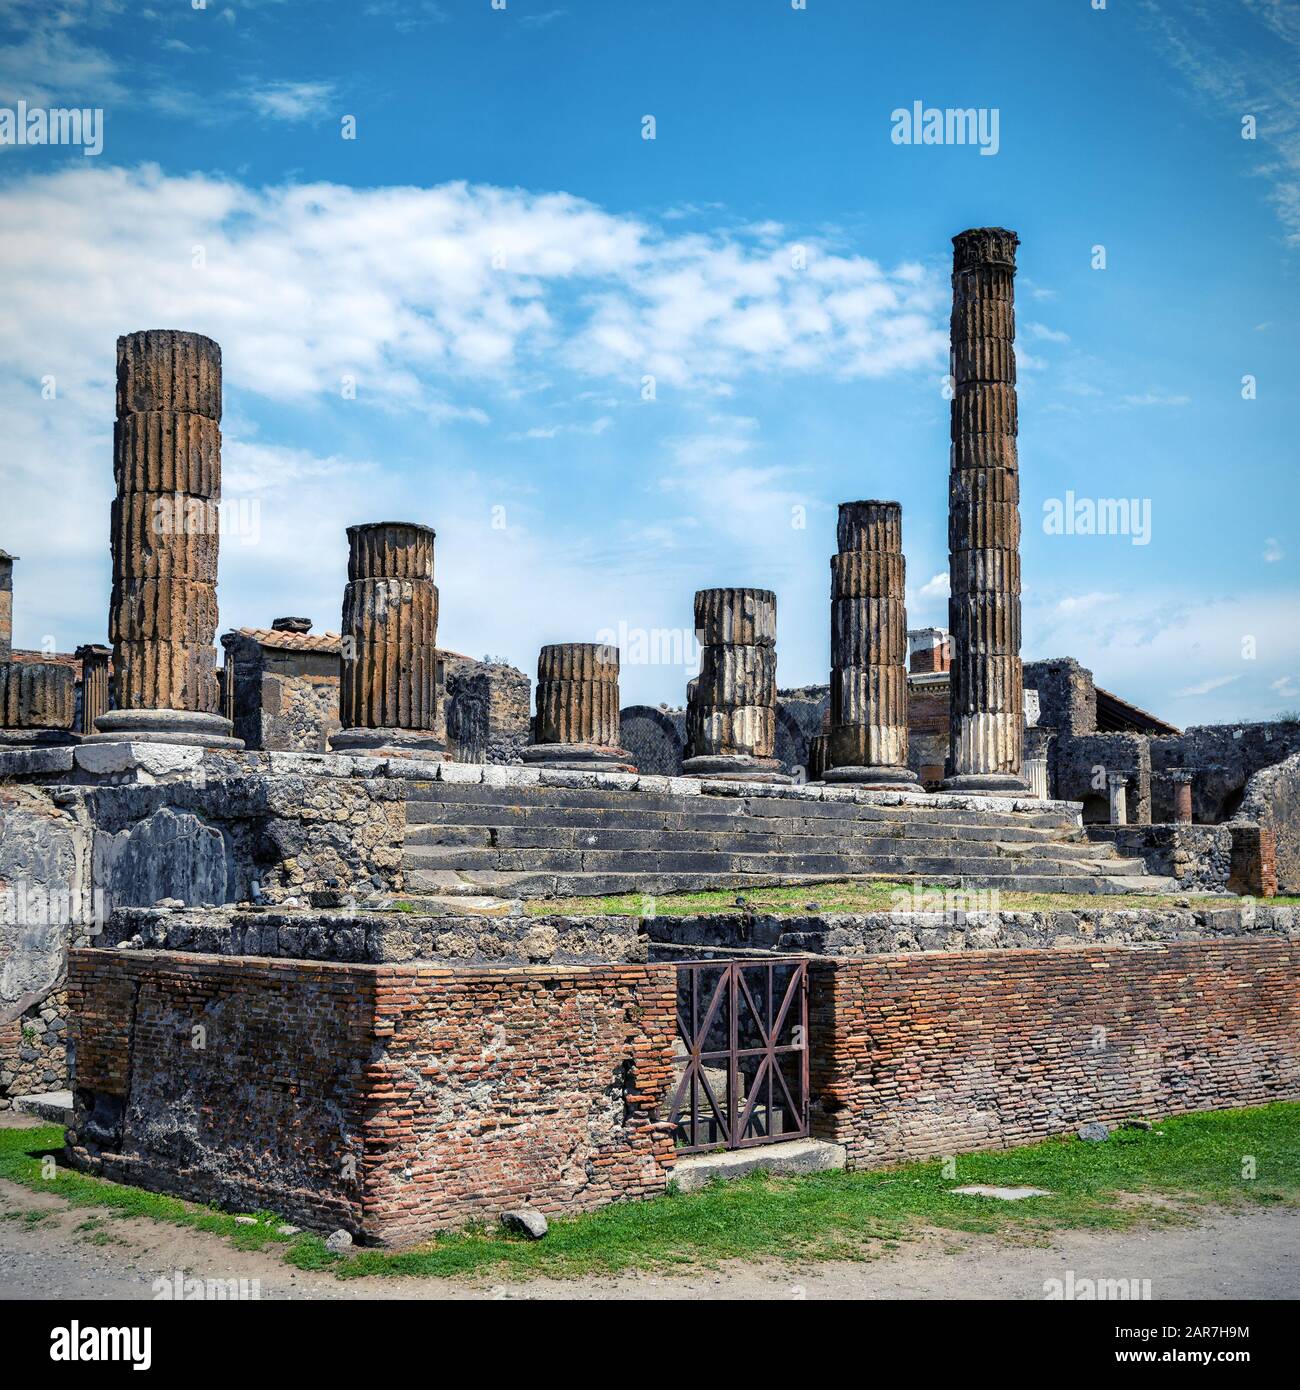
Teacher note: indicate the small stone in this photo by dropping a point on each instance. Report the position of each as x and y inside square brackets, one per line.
[1094, 1133]
[288, 1230]
[1137, 1124]
[525, 1222]
[169, 902]
[339, 1242]
[245, 1221]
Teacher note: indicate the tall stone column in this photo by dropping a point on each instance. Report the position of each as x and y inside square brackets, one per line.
[94, 683]
[1117, 784]
[577, 725]
[868, 735]
[6, 604]
[165, 537]
[388, 691]
[986, 749]
[731, 704]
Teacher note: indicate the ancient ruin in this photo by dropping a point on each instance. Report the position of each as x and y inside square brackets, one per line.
[987, 735]
[731, 706]
[165, 537]
[867, 741]
[343, 895]
[577, 722]
[388, 697]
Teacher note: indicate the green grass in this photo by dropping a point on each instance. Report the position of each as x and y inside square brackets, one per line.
[1160, 1176]
[847, 895]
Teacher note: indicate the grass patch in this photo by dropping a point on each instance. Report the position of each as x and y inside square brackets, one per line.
[848, 895]
[1153, 1177]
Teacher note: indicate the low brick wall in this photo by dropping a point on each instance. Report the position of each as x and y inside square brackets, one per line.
[390, 1100]
[935, 1053]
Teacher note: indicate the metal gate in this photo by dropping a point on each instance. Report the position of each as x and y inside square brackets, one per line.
[742, 1030]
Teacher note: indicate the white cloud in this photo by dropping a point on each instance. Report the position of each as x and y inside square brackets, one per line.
[1206, 686]
[1273, 551]
[1082, 603]
[1150, 398]
[937, 587]
[1045, 334]
[292, 101]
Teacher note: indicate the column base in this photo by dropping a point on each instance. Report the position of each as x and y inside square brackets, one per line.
[578, 757]
[37, 738]
[991, 783]
[879, 778]
[180, 726]
[390, 743]
[735, 767]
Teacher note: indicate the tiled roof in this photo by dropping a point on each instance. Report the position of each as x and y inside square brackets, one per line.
[58, 658]
[325, 642]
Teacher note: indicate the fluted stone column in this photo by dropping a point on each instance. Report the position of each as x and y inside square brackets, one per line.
[577, 725]
[731, 704]
[94, 683]
[165, 536]
[38, 702]
[987, 703]
[388, 691]
[868, 734]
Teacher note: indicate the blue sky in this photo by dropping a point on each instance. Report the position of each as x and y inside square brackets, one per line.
[450, 317]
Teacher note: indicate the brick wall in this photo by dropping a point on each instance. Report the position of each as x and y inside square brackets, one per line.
[934, 1053]
[392, 1101]
[500, 1088]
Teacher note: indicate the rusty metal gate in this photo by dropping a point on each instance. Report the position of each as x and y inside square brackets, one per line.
[742, 1054]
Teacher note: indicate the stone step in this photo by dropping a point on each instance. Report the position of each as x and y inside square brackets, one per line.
[582, 885]
[732, 860]
[733, 804]
[885, 839]
[420, 814]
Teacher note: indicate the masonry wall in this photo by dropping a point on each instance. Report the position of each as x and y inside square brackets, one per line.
[934, 1053]
[510, 1088]
[392, 1101]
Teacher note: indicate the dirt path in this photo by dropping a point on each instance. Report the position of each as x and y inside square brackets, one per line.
[1248, 1255]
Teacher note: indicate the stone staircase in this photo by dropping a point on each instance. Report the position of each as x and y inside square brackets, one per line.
[545, 838]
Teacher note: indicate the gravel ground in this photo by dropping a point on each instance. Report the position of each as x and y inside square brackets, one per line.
[1247, 1255]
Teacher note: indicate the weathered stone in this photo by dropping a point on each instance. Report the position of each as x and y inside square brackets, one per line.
[338, 1241]
[867, 739]
[36, 695]
[731, 704]
[1094, 1133]
[523, 1221]
[165, 531]
[986, 750]
[577, 723]
[94, 683]
[390, 636]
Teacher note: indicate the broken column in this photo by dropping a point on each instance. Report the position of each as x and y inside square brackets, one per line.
[986, 739]
[164, 538]
[94, 683]
[577, 724]
[868, 734]
[1182, 797]
[731, 704]
[37, 698]
[388, 691]
[1117, 784]
[6, 604]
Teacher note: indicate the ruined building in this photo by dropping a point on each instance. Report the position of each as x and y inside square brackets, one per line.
[325, 861]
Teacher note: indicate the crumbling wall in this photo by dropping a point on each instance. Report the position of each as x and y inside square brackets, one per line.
[1080, 764]
[393, 1101]
[915, 1055]
[45, 907]
[1222, 759]
[239, 1082]
[800, 714]
[1067, 697]
[1199, 857]
[656, 739]
[1272, 801]
[485, 710]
